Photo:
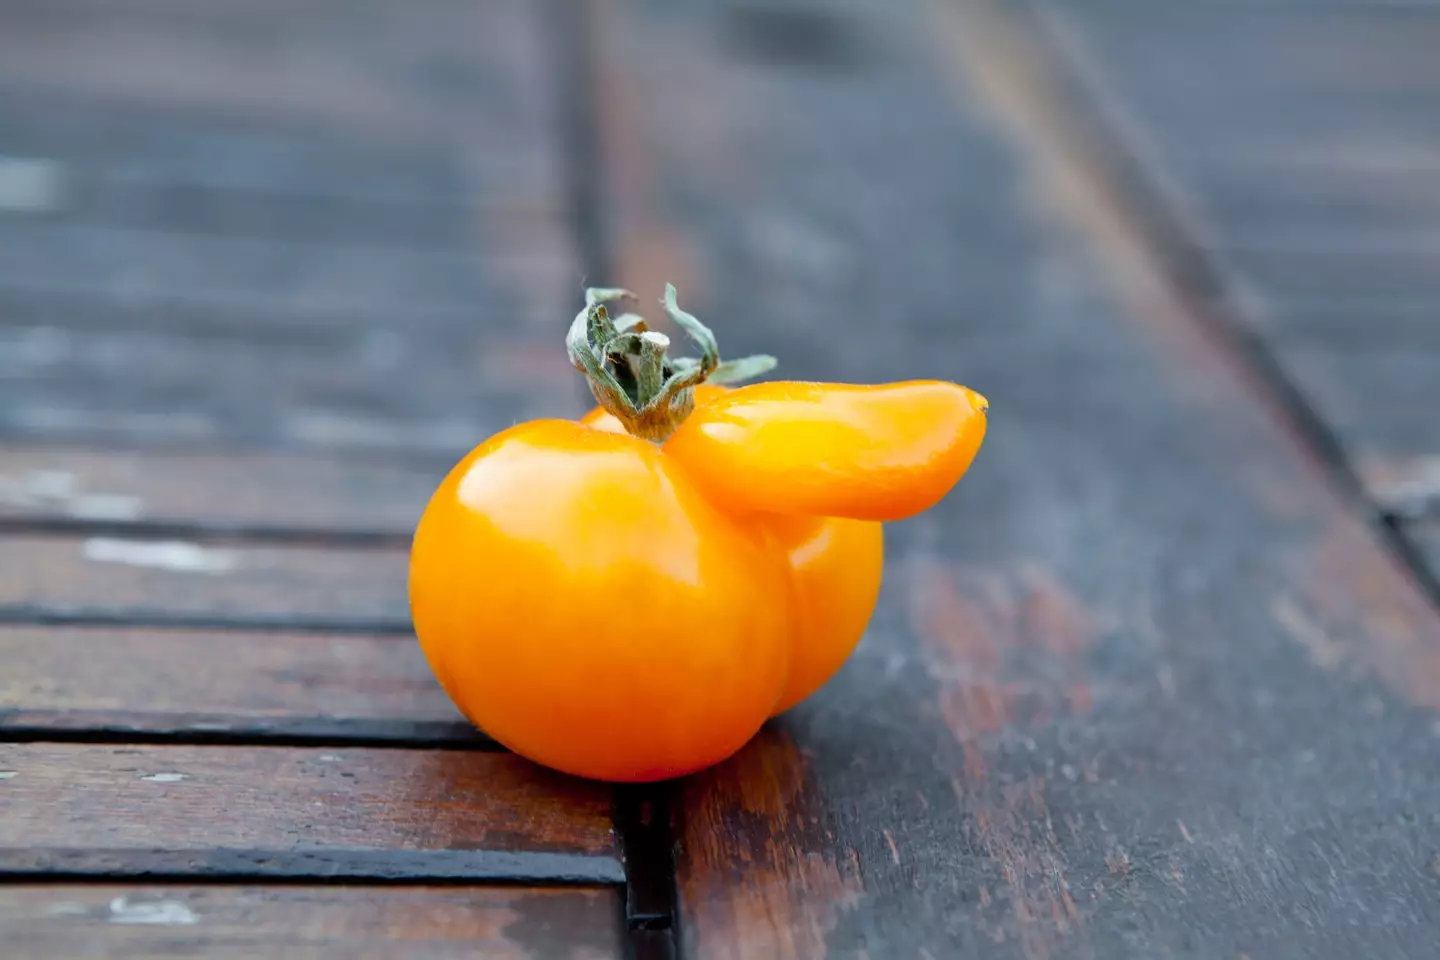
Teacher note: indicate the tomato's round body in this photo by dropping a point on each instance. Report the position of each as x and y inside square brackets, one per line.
[834, 567]
[584, 604]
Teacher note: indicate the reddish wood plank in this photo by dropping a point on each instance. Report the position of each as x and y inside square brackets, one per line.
[428, 923]
[1142, 685]
[126, 577]
[196, 683]
[283, 811]
[243, 490]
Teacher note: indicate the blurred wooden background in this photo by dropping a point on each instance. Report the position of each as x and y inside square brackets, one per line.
[1159, 679]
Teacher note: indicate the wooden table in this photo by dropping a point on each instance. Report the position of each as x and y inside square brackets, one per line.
[1159, 679]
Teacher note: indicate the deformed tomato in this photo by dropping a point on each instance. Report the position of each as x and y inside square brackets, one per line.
[631, 596]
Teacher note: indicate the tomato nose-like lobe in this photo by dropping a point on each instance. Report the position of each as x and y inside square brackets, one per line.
[865, 452]
[585, 605]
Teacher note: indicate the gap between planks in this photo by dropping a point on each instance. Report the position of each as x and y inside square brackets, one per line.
[1110, 188]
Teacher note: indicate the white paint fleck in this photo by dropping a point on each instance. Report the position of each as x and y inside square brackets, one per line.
[8, 774]
[62, 492]
[163, 912]
[328, 758]
[50, 484]
[164, 777]
[105, 506]
[29, 184]
[162, 554]
[66, 908]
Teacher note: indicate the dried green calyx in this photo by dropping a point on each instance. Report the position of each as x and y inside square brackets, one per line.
[629, 371]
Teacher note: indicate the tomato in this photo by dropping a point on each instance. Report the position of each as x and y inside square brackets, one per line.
[822, 449]
[629, 597]
[583, 604]
[834, 567]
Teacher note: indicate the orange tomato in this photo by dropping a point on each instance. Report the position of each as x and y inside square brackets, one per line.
[834, 567]
[824, 449]
[583, 604]
[629, 610]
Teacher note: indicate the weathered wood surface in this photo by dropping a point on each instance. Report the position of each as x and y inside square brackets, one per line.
[1142, 686]
[373, 923]
[1307, 169]
[388, 384]
[250, 493]
[85, 809]
[224, 685]
[118, 579]
[331, 227]
[468, 77]
[309, 224]
[1427, 536]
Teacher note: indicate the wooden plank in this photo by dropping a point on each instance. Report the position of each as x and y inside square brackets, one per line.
[245, 491]
[470, 76]
[1426, 536]
[429, 923]
[82, 809]
[263, 273]
[333, 391]
[95, 139]
[1315, 192]
[175, 683]
[1141, 685]
[120, 579]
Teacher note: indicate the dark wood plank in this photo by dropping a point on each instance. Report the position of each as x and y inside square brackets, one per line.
[1141, 686]
[168, 580]
[1409, 487]
[215, 491]
[332, 392]
[1307, 169]
[183, 683]
[81, 809]
[80, 139]
[428, 923]
[261, 273]
[190, 257]
[467, 76]
[1426, 535]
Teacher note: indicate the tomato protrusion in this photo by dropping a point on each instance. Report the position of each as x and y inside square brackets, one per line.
[866, 452]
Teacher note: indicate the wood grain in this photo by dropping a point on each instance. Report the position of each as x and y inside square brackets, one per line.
[196, 684]
[465, 75]
[1141, 686]
[163, 581]
[115, 921]
[220, 491]
[1315, 200]
[293, 225]
[84, 809]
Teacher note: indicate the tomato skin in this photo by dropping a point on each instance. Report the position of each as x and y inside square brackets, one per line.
[585, 605]
[838, 450]
[835, 566]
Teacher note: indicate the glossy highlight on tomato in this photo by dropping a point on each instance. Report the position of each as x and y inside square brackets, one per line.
[631, 609]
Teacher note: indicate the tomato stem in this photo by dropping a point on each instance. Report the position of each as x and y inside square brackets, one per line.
[629, 372]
